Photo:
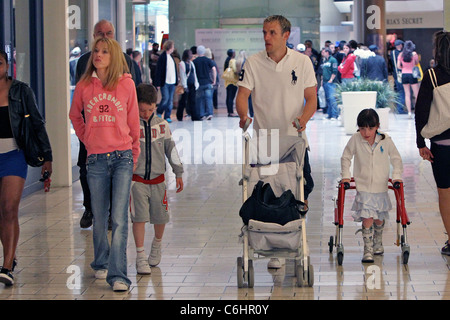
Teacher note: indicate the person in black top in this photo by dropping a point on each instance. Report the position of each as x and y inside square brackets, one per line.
[439, 152]
[15, 97]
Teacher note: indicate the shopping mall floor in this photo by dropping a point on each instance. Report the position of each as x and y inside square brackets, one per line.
[201, 246]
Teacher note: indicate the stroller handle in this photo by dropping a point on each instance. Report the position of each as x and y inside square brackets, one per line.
[297, 124]
[247, 124]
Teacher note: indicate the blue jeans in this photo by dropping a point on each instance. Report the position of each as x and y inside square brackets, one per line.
[401, 97]
[109, 175]
[204, 100]
[330, 89]
[166, 104]
[347, 80]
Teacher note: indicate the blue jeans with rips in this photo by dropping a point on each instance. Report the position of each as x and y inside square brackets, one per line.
[109, 176]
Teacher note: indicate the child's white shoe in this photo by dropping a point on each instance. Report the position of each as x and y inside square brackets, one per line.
[155, 254]
[142, 266]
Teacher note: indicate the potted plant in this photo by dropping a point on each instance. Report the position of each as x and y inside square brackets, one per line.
[361, 94]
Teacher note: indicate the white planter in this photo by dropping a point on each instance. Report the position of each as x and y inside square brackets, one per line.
[354, 102]
[383, 114]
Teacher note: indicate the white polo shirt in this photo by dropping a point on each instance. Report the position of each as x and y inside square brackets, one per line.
[278, 89]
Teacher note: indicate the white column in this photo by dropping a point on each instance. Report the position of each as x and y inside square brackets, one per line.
[121, 26]
[447, 14]
[57, 98]
[92, 19]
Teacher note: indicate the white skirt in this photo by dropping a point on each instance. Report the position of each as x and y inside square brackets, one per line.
[371, 205]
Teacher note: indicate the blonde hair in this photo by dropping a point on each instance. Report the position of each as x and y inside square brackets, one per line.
[117, 67]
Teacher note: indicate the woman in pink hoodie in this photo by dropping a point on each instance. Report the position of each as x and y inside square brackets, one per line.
[105, 116]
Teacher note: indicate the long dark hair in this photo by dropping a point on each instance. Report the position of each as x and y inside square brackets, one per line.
[408, 51]
[187, 55]
[369, 118]
[4, 55]
[442, 49]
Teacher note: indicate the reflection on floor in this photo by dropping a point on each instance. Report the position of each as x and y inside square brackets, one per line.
[201, 242]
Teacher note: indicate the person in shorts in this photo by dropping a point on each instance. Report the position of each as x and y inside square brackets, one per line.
[148, 190]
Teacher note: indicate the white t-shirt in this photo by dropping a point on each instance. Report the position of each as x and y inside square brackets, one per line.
[278, 89]
[171, 74]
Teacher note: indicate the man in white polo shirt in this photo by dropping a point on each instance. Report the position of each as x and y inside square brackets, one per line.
[283, 86]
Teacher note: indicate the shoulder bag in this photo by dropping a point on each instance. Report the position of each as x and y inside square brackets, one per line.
[439, 118]
[229, 75]
[264, 206]
[397, 71]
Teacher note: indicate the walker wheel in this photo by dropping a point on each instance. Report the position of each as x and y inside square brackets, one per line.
[340, 258]
[405, 257]
[331, 244]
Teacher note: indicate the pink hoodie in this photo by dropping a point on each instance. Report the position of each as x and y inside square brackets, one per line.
[112, 117]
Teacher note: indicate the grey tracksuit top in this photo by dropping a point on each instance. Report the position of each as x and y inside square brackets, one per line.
[157, 144]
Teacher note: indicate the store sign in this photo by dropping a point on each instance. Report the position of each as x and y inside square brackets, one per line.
[414, 20]
[251, 40]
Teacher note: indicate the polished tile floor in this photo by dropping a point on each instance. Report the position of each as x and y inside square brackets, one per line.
[201, 241]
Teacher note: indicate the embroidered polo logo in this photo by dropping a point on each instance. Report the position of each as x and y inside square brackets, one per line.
[381, 149]
[294, 78]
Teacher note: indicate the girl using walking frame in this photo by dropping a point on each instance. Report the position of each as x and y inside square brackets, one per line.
[373, 153]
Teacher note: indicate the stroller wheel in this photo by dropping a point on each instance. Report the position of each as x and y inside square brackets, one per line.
[300, 276]
[251, 274]
[305, 277]
[240, 272]
[310, 276]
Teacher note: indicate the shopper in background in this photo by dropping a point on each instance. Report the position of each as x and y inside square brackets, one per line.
[406, 61]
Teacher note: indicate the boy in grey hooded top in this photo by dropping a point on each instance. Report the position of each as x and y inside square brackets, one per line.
[148, 191]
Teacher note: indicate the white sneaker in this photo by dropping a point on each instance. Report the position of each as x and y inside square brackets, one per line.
[276, 263]
[101, 274]
[142, 266]
[155, 254]
[120, 286]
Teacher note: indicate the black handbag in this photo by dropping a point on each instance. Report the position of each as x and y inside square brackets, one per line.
[264, 206]
[34, 156]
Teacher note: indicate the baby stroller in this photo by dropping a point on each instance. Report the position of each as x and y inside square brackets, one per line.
[262, 240]
[402, 220]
